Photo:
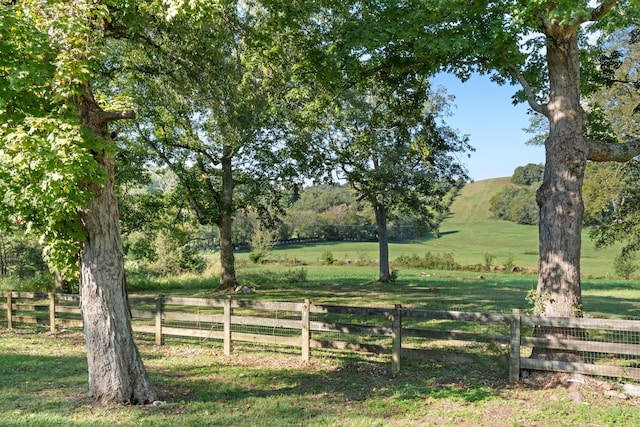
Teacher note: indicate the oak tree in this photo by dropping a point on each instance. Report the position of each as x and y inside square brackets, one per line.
[57, 155]
[391, 146]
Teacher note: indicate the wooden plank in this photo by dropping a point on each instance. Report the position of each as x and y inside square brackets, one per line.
[267, 305]
[177, 316]
[396, 340]
[454, 335]
[438, 355]
[195, 302]
[227, 343]
[158, 315]
[348, 328]
[457, 315]
[342, 345]
[67, 297]
[142, 314]
[338, 309]
[265, 321]
[583, 323]
[194, 333]
[267, 339]
[52, 313]
[575, 345]
[580, 368]
[70, 323]
[67, 309]
[305, 323]
[9, 310]
[514, 347]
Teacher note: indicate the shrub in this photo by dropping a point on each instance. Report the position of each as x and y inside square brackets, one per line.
[327, 258]
[509, 263]
[443, 261]
[624, 265]
[488, 259]
[175, 257]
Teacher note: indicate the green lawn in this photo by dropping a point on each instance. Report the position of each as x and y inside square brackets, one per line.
[469, 233]
[43, 377]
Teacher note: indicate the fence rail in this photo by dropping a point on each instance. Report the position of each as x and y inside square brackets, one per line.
[603, 347]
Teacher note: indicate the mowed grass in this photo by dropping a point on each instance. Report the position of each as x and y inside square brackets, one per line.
[44, 384]
[43, 379]
[468, 233]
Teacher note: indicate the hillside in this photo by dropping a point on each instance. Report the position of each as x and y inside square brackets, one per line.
[468, 233]
[472, 204]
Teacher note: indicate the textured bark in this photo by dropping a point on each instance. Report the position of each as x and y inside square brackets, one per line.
[560, 195]
[227, 259]
[383, 239]
[116, 371]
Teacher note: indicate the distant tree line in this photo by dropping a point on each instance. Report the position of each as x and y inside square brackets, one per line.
[517, 203]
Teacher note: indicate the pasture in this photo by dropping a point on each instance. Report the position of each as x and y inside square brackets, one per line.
[44, 376]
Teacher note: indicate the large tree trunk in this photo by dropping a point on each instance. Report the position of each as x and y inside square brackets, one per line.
[116, 371]
[560, 195]
[383, 239]
[225, 224]
[559, 290]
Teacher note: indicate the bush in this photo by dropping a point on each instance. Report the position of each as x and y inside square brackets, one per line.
[443, 261]
[624, 265]
[175, 257]
[515, 204]
[327, 258]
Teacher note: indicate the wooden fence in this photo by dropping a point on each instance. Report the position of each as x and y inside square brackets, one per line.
[606, 347]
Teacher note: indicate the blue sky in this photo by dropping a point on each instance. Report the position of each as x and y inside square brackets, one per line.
[483, 110]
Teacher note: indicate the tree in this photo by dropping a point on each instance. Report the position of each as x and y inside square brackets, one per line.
[568, 149]
[515, 204]
[543, 46]
[390, 147]
[611, 190]
[527, 175]
[222, 128]
[58, 154]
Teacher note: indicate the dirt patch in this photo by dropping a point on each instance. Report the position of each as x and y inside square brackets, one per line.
[579, 386]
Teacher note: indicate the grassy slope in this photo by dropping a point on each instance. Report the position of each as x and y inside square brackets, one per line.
[468, 233]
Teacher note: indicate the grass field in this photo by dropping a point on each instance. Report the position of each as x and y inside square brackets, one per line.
[469, 233]
[43, 377]
[44, 384]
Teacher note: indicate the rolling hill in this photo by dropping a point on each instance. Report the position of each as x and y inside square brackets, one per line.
[469, 233]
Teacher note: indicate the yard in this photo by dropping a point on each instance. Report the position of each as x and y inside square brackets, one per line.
[44, 376]
[44, 383]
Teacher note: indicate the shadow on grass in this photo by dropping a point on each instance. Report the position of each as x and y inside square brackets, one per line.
[250, 388]
[353, 380]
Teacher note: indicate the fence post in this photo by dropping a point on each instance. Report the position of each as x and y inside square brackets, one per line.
[514, 355]
[227, 327]
[306, 330]
[396, 345]
[9, 310]
[159, 315]
[52, 312]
